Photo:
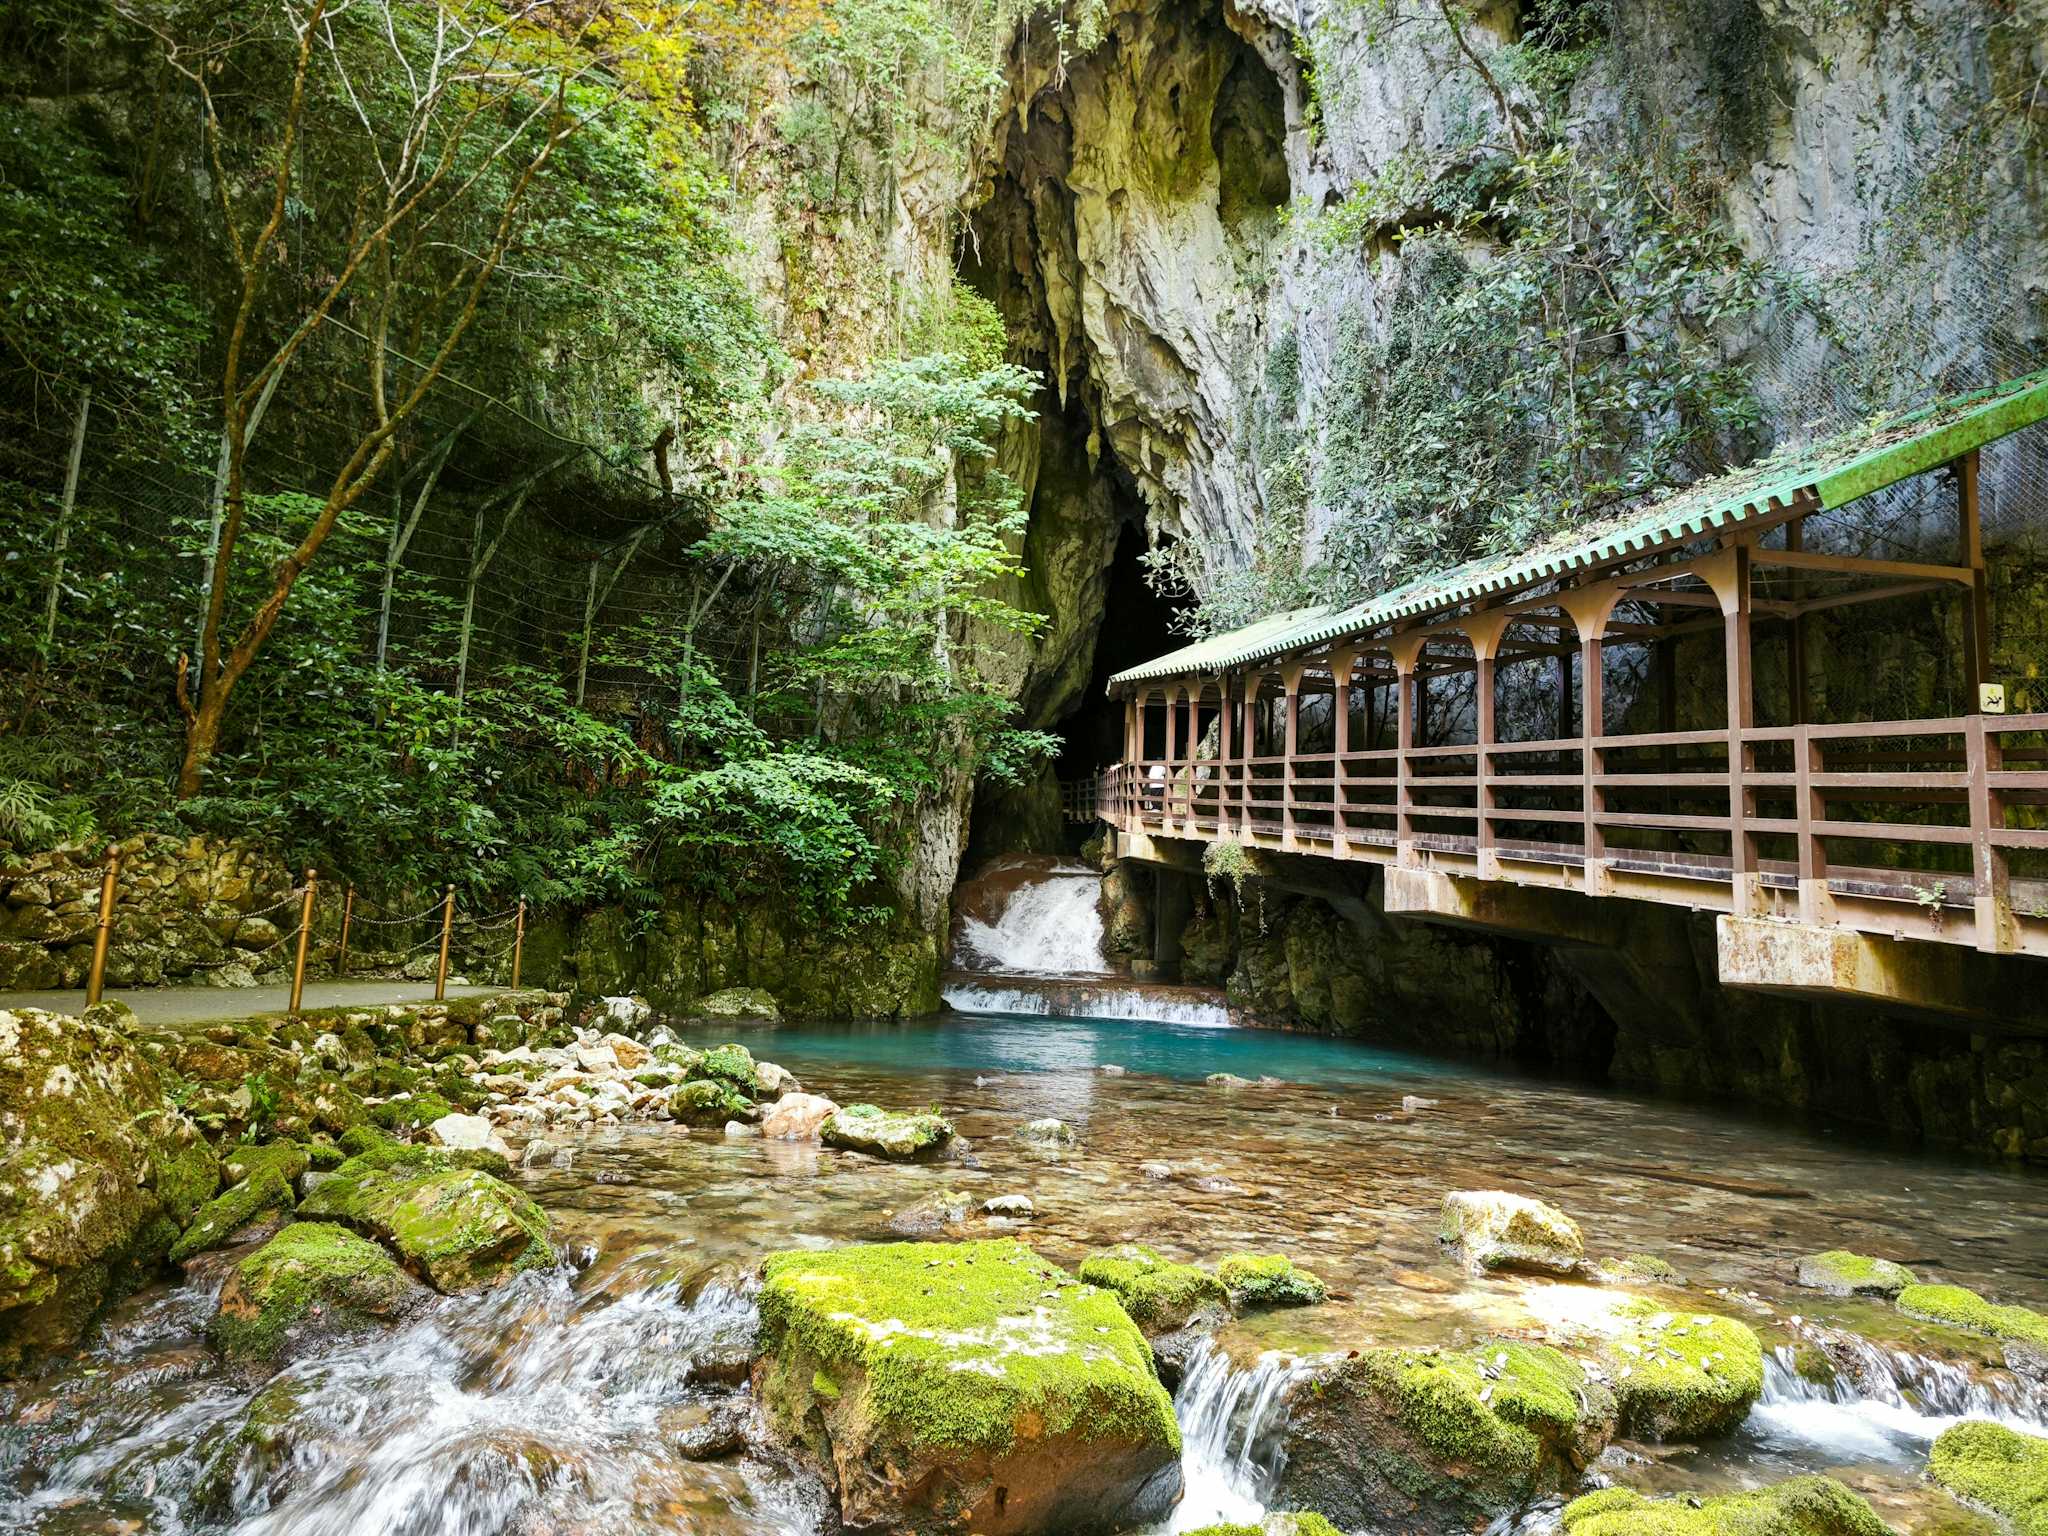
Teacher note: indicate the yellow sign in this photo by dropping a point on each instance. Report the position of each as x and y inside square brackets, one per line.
[1991, 698]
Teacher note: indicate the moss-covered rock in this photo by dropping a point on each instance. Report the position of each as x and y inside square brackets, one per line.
[2022, 1333]
[1682, 1375]
[458, 1228]
[310, 1280]
[1047, 1135]
[413, 1112]
[264, 1193]
[967, 1386]
[1999, 1468]
[286, 1159]
[1490, 1229]
[897, 1135]
[732, 1065]
[1257, 1280]
[1842, 1273]
[708, 1101]
[1805, 1506]
[98, 1171]
[1417, 1439]
[1160, 1295]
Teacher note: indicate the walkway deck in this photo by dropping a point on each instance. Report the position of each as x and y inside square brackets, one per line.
[209, 1005]
[1306, 733]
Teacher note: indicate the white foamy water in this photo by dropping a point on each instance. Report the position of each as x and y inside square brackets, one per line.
[1886, 1405]
[1050, 927]
[1132, 1003]
[1231, 1423]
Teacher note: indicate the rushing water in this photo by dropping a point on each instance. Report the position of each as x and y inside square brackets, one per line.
[585, 1400]
[1048, 925]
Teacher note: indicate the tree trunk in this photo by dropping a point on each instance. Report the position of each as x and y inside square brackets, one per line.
[202, 735]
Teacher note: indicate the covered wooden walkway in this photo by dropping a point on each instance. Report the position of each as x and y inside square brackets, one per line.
[1376, 732]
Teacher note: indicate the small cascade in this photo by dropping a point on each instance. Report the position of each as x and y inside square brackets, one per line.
[1231, 1423]
[1044, 921]
[1196, 1007]
[1027, 939]
[1884, 1404]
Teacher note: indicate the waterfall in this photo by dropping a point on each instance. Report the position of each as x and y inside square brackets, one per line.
[1885, 1404]
[1048, 926]
[1231, 1423]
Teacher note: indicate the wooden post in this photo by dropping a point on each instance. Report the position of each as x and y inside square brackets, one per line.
[1172, 752]
[305, 938]
[1290, 741]
[518, 940]
[1727, 572]
[1795, 663]
[1988, 864]
[447, 927]
[1340, 747]
[1226, 746]
[1589, 612]
[1406, 652]
[1815, 904]
[1485, 630]
[1977, 612]
[348, 912]
[95, 980]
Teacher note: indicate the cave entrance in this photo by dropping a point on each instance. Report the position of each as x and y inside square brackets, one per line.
[1137, 626]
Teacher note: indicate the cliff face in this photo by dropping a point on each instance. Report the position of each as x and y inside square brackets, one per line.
[1211, 227]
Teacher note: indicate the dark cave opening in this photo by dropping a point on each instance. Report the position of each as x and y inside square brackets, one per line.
[1137, 625]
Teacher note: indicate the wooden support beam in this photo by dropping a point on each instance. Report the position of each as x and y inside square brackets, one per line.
[1977, 613]
[1848, 565]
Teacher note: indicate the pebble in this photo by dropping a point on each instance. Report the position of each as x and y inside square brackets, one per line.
[1009, 1205]
[1410, 1103]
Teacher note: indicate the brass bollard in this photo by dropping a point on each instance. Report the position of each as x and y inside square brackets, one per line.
[447, 923]
[305, 936]
[348, 910]
[518, 939]
[96, 979]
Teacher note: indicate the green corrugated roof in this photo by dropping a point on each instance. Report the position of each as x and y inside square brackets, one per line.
[1837, 470]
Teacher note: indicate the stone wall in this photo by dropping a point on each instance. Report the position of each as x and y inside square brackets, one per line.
[186, 910]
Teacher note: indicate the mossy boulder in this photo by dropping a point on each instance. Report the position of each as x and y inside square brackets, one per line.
[2024, 1334]
[1490, 1229]
[708, 1101]
[457, 1228]
[1804, 1506]
[413, 1112]
[965, 1386]
[1160, 1295]
[265, 1193]
[1421, 1441]
[98, 1171]
[311, 1280]
[286, 1159]
[732, 1065]
[1682, 1375]
[897, 1135]
[1258, 1280]
[2001, 1469]
[1842, 1273]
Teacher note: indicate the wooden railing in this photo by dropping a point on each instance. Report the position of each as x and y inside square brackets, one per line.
[1895, 826]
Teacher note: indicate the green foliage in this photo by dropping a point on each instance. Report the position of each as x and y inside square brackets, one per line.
[1583, 362]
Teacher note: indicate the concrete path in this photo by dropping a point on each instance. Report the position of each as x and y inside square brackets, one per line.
[204, 1005]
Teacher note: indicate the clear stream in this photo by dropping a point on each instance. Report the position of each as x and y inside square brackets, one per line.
[566, 1403]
